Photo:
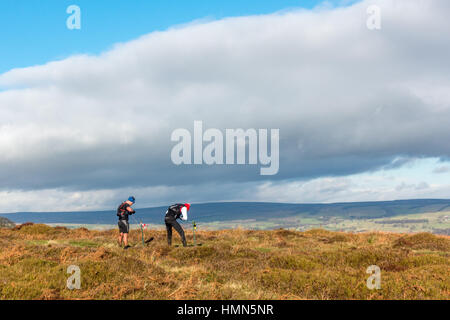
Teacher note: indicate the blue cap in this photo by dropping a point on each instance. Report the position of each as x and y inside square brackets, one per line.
[132, 199]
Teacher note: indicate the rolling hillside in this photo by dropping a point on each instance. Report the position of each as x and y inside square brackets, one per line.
[431, 215]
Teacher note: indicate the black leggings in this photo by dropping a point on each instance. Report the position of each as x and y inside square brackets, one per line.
[171, 222]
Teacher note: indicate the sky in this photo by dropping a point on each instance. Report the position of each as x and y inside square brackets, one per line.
[34, 32]
[86, 116]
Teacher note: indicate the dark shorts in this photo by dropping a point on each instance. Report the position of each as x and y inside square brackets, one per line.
[124, 226]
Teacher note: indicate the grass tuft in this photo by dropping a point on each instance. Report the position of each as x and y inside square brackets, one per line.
[424, 241]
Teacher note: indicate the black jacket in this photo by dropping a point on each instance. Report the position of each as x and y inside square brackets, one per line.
[174, 211]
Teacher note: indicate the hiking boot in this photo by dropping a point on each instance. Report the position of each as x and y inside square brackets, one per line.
[126, 247]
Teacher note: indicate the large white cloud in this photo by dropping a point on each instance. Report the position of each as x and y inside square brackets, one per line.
[346, 99]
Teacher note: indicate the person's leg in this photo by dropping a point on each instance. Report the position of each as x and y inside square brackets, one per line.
[169, 232]
[125, 239]
[125, 234]
[120, 239]
[180, 231]
[120, 233]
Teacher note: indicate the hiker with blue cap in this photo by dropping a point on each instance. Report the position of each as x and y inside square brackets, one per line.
[123, 212]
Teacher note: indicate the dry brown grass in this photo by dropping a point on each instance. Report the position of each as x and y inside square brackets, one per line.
[230, 264]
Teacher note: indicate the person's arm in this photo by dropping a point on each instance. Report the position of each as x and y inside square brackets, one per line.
[178, 211]
[130, 210]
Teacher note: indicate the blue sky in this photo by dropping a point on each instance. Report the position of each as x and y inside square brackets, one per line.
[34, 32]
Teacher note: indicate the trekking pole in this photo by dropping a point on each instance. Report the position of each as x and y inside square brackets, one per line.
[194, 227]
[142, 234]
[142, 231]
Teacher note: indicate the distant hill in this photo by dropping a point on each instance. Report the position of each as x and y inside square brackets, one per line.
[6, 223]
[255, 211]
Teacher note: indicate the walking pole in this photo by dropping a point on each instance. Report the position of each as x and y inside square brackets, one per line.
[194, 227]
[142, 231]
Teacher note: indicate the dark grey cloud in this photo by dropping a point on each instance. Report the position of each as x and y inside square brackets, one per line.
[442, 169]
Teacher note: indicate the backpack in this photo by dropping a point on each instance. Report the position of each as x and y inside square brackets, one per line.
[122, 209]
[174, 211]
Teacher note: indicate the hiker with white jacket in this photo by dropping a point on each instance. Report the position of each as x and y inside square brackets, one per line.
[174, 212]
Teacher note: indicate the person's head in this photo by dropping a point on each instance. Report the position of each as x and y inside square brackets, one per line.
[188, 206]
[131, 200]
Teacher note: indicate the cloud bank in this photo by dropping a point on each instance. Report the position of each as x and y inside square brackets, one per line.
[346, 99]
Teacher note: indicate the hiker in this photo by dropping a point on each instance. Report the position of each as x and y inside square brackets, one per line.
[123, 211]
[174, 212]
